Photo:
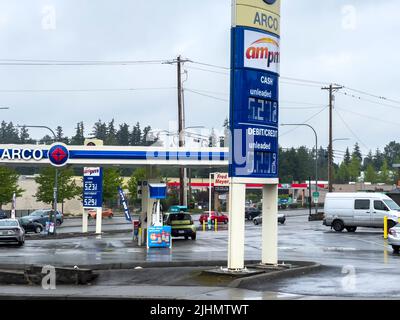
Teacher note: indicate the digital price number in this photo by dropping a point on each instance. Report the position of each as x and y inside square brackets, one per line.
[90, 186]
[262, 111]
[90, 202]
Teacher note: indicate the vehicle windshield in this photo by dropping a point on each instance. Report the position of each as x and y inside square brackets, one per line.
[8, 223]
[392, 205]
[37, 213]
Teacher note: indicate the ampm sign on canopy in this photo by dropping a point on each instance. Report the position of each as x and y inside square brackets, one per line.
[254, 106]
[258, 14]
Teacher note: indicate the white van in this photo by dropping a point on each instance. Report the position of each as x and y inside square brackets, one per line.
[351, 210]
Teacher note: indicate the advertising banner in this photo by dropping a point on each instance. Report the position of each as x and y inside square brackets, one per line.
[124, 204]
[92, 187]
[159, 237]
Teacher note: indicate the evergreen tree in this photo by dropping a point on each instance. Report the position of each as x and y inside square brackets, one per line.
[8, 185]
[343, 175]
[357, 153]
[384, 176]
[392, 152]
[100, 131]
[79, 138]
[378, 159]
[347, 157]
[67, 188]
[111, 134]
[123, 135]
[47, 140]
[370, 174]
[24, 136]
[60, 135]
[368, 160]
[147, 138]
[136, 135]
[354, 168]
[111, 181]
[137, 176]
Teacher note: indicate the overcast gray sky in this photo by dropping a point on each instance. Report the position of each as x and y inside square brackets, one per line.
[353, 42]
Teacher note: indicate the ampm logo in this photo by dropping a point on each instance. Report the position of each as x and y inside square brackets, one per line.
[91, 172]
[261, 51]
[58, 154]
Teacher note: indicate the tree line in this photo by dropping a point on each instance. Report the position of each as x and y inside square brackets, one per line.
[110, 133]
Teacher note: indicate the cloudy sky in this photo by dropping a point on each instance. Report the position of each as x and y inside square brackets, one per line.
[352, 42]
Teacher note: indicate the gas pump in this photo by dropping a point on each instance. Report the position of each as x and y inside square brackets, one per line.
[158, 235]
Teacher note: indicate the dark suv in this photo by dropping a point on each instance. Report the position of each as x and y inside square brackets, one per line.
[3, 215]
[42, 216]
[252, 213]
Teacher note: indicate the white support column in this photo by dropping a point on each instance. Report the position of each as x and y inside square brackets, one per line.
[237, 200]
[99, 218]
[270, 225]
[84, 221]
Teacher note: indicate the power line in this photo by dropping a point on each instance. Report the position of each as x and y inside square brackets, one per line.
[84, 90]
[397, 124]
[373, 95]
[351, 130]
[369, 101]
[14, 62]
[304, 122]
[206, 95]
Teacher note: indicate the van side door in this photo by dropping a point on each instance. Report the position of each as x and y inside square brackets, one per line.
[362, 212]
[379, 212]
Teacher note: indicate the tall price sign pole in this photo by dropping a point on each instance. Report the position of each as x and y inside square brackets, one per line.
[254, 116]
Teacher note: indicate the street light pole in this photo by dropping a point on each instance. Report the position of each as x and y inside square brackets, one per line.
[316, 155]
[55, 189]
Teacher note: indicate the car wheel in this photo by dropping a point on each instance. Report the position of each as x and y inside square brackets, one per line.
[38, 229]
[186, 238]
[391, 224]
[194, 237]
[338, 226]
[225, 221]
[255, 222]
[21, 243]
[351, 229]
[110, 216]
[283, 222]
[396, 249]
[58, 223]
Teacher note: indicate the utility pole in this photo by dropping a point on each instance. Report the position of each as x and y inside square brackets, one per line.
[181, 129]
[332, 89]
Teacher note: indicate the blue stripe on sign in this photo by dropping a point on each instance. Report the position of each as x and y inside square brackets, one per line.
[108, 155]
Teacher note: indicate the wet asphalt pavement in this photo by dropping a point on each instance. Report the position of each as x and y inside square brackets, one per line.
[358, 265]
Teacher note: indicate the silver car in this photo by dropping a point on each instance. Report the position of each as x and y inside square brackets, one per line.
[394, 238]
[281, 219]
[11, 231]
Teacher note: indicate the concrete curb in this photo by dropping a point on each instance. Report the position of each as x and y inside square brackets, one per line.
[74, 235]
[308, 267]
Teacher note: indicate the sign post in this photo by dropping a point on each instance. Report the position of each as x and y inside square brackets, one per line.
[93, 195]
[254, 121]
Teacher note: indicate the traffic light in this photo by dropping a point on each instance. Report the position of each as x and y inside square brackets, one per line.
[93, 142]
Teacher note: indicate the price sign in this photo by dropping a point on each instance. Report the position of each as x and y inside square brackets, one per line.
[92, 187]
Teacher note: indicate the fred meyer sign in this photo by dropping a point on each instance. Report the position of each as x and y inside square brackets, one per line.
[254, 106]
[221, 180]
[259, 14]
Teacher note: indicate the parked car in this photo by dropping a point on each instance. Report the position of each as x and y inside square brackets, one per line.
[394, 238]
[351, 210]
[43, 216]
[31, 226]
[281, 219]
[251, 213]
[220, 217]
[182, 225]
[3, 215]
[105, 214]
[11, 231]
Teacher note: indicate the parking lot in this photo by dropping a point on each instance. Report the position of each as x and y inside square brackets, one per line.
[354, 264]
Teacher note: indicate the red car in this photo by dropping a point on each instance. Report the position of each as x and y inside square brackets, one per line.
[220, 217]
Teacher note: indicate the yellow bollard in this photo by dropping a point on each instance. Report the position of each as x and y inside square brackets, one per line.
[204, 225]
[385, 227]
[216, 225]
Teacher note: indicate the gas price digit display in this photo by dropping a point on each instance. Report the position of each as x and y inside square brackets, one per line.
[262, 111]
[91, 187]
